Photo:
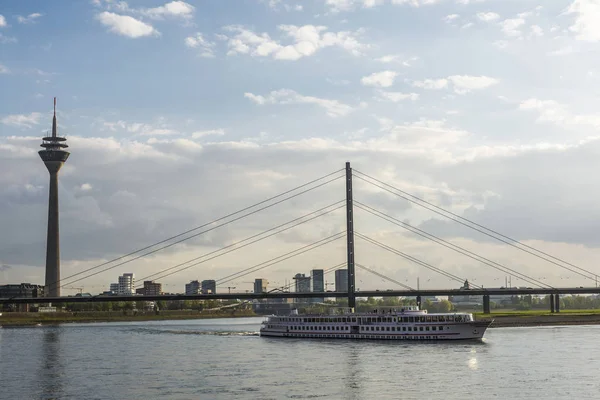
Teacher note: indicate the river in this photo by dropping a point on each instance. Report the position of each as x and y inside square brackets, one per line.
[226, 359]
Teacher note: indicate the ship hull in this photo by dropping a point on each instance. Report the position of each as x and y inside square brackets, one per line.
[459, 331]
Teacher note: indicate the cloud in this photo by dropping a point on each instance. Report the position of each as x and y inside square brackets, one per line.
[349, 5]
[461, 83]
[465, 83]
[4, 69]
[125, 25]
[393, 58]
[287, 96]
[7, 39]
[587, 19]
[487, 16]
[30, 19]
[380, 79]
[434, 84]
[398, 96]
[139, 128]
[2, 21]
[210, 132]
[556, 113]
[198, 41]
[22, 120]
[306, 41]
[176, 9]
[450, 18]
[511, 27]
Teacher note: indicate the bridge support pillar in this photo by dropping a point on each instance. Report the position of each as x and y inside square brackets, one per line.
[419, 301]
[551, 303]
[486, 303]
[556, 303]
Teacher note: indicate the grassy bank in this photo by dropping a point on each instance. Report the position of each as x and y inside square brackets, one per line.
[24, 319]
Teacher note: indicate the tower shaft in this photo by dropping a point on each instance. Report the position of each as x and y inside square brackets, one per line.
[54, 156]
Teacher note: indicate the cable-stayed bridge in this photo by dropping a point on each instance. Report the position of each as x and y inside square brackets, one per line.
[350, 234]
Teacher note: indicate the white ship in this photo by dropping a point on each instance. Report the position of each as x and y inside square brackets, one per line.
[400, 323]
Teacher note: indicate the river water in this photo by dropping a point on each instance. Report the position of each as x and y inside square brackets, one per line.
[226, 359]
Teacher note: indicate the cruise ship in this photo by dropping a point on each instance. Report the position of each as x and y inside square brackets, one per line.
[400, 323]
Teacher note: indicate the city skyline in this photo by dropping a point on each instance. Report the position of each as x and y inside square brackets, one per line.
[479, 107]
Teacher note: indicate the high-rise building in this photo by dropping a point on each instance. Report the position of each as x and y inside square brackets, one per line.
[302, 286]
[114, 288]
[341, 280]
[260, 285]
[152, 288]
[209, 286]
[53, 156]
[192, 288]
[318, 283]
[126, 284]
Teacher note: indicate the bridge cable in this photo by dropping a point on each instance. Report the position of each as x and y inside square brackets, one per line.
[301, 250]
[231, 245]
[450, 245]
[510, 241]
[201, 226]
[411, 258]
[383, 276]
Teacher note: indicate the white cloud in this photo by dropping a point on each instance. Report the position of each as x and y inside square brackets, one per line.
[30, 19]
[7, 39]
[450, 18]
[465, 83]
[554, 112]
[2, 21]
[349, 5]
[510, 27]
[487, 16]
[179, 9]
[380, 79]
[307, 40]
[125, 25]
[398, 96]
[138, 128]
[394, 58]
[198, 41]
[536, 30]
[587, 20]
[4, 69]
[86, 187]
[435, 84]
[333, 108]
[22, 120]
[210, 132]
[461, 83]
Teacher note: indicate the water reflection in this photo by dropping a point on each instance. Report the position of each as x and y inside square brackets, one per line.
[51, 369]
[353, 373]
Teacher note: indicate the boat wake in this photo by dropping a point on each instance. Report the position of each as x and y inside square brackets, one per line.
[151, 331]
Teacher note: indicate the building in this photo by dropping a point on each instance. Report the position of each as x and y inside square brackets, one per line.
[209, 286]
[302, 286]
[318, 283]
[125, 286]
[260, 285]
[20, 290]
[341, 280]
[192, 288]
[54, 156]
[150, 288]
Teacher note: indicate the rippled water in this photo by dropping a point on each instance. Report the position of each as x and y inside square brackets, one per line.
[226, 359]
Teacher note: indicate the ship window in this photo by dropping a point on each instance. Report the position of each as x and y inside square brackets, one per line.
[420, 328]
[411, 319]
[428, 319]
[387, 329]
[426, 328]
[403, 329]
[433, 328]
[409, 329]
[441, 328]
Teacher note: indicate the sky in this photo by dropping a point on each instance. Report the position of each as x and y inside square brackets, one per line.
[178, 113]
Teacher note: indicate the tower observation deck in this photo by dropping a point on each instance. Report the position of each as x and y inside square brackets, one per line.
[54, 156]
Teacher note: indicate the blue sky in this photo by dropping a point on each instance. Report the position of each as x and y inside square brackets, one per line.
[180, 111]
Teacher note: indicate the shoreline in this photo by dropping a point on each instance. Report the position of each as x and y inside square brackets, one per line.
[503, 320]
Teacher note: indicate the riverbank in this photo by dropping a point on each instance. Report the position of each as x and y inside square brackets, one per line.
[30, 319]
[501, 320]
[528, 318]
